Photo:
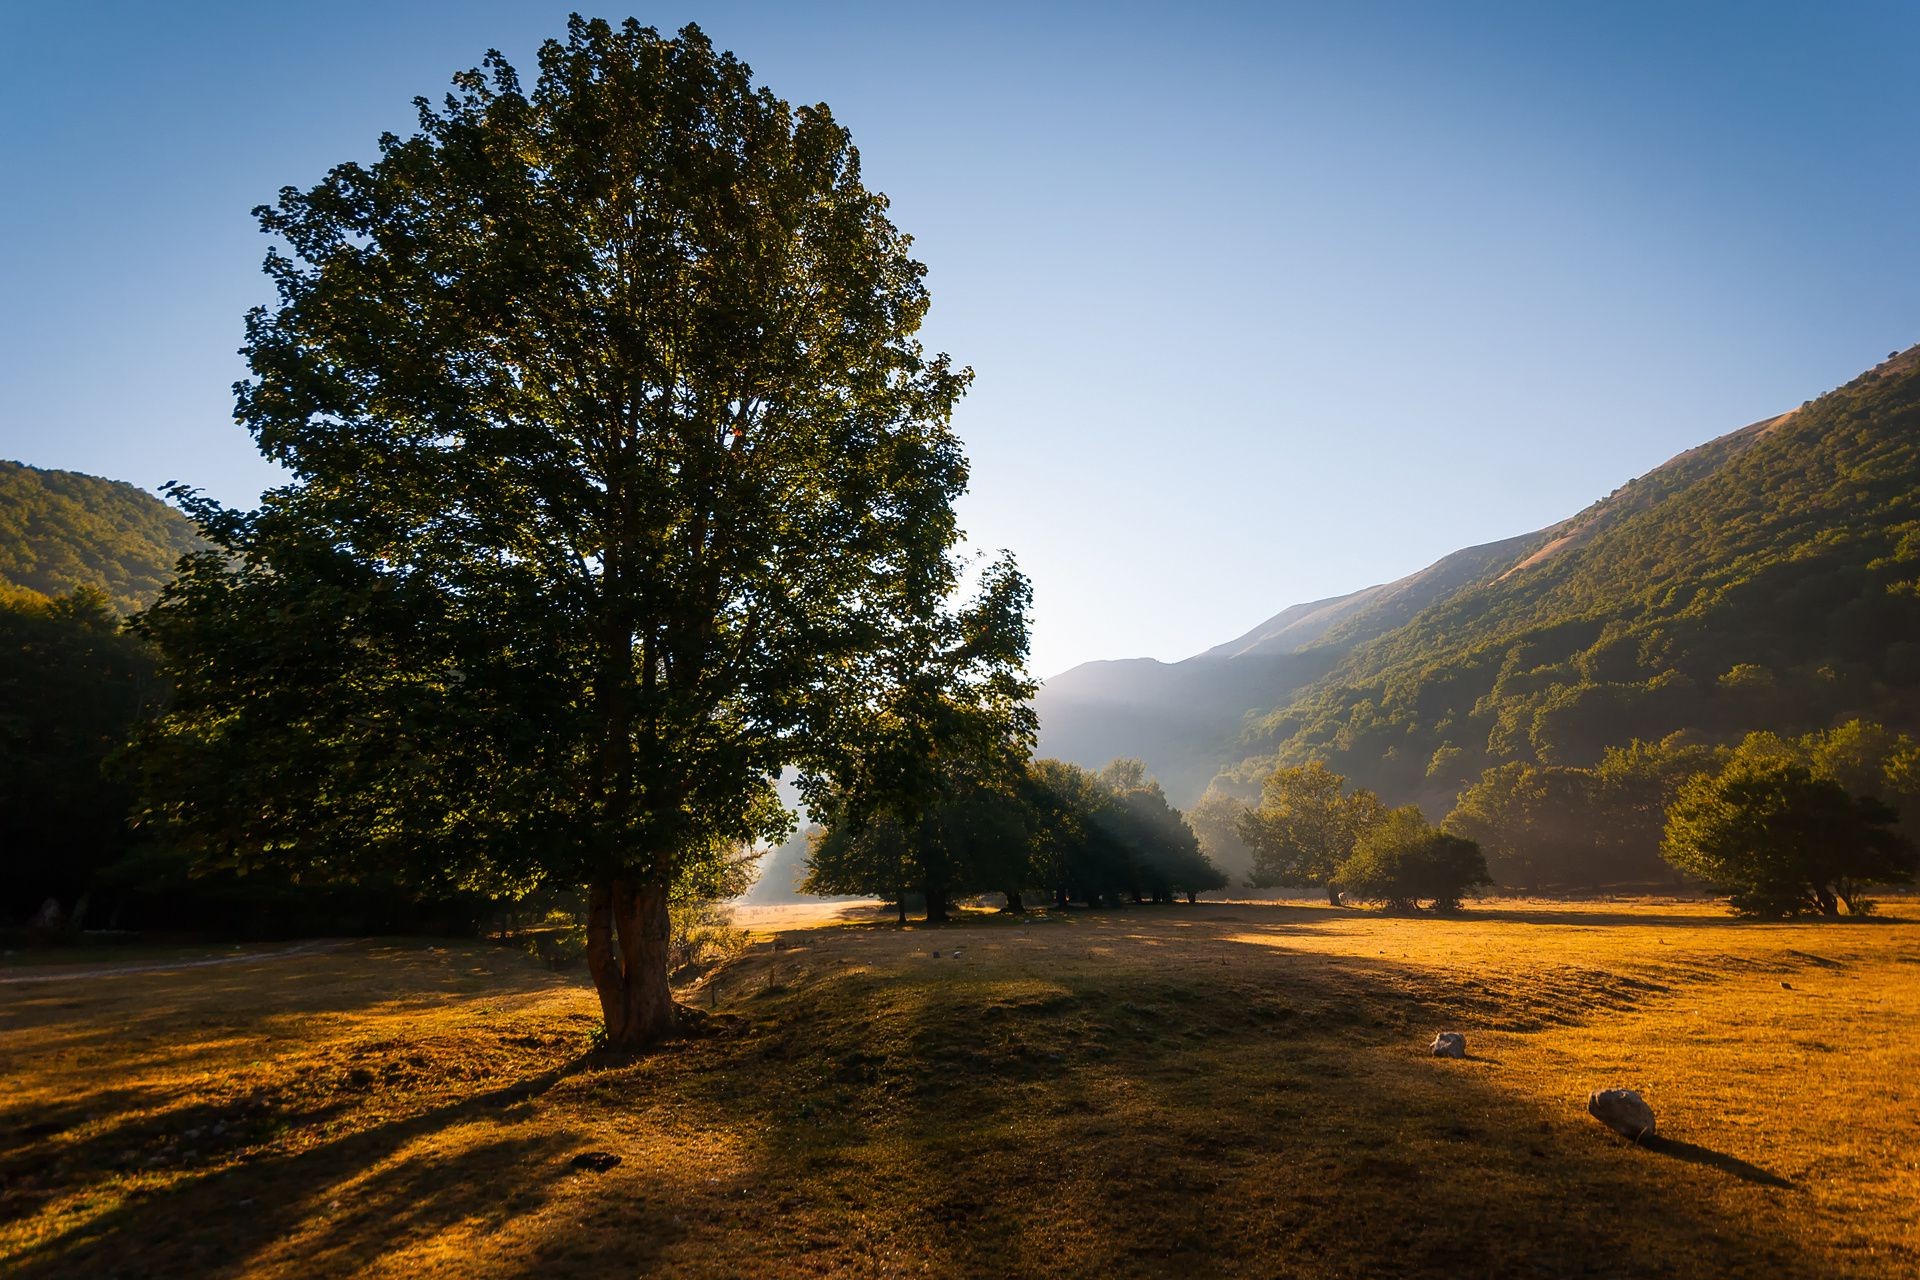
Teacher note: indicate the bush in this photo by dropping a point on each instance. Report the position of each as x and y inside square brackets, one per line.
[703, 935]
[1405, 860]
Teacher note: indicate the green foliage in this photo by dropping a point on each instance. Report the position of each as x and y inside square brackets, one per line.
[61, 531]
[1402, 860]
[1215, 819]
[1081, 836]
[1784, 841]
[1306, 825]
[927, 789]
[1162, 856]
[1545, 826]
[1770, 579]
[617, 468]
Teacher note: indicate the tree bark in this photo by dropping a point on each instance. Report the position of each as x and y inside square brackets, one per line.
[936, 904]
[1333, 894]
[627, 937]
[1014, 905]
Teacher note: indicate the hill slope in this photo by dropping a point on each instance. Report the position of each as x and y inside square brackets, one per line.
[63, 529]
[1769, 578]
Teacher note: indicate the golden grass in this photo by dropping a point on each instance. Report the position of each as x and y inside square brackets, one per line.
[1233, 1089]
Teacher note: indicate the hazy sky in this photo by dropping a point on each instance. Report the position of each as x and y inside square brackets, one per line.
[1267, 302]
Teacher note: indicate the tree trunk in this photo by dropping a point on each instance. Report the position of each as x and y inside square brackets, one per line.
[1829, 904]
[936, 904]
[1014, 905]
[1060, 897]
[1333, 894]
[1190, 897]
[627, 936]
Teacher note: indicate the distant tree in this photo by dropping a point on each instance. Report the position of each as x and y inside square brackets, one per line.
[872, 857]
[615, 466]
[1403, 860]
[1072, 854]
[1783, 841]
[1110, 836]
[1638, 783]
[1306, 826]
[935, 756]
[1498, 813]
[1215, 819]
[1163, 856]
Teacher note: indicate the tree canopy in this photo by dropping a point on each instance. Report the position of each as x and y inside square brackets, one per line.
[1306, 826]
[1783, 840]
[1402, 860]
[617, 468]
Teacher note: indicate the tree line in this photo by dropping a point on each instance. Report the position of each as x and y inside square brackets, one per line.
[1786, 825]
[1044, 828]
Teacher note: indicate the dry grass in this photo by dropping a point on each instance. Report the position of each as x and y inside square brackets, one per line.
[1225, 1089]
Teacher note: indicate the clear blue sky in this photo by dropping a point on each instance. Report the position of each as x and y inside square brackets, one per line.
[1267, 302]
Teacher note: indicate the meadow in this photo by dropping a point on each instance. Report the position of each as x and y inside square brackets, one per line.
[1220, 1089]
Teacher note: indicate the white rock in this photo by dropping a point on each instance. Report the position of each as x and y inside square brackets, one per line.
[1449, 1044]
[1623, 1111]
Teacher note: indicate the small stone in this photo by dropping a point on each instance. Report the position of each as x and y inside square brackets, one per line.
[1449, 1044]
[1786, 986]
[1622, 1110]
[598, 1161]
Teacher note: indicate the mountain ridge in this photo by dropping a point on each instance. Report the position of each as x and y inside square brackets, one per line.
[1380, 636]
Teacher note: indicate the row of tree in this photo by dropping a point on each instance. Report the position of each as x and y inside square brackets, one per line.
[1786, 825]
[1311, 828]
[1041, 827]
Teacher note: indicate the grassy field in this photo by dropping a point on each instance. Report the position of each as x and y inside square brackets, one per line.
[1222, 1089]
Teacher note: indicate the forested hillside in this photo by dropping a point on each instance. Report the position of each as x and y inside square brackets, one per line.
[1766, 580]
[1770, 580]
[62, 529]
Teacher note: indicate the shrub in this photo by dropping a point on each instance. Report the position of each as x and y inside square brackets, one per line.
[1405, 860]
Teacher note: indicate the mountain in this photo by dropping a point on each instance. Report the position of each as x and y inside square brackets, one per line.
[1769, 578]
[62, 529]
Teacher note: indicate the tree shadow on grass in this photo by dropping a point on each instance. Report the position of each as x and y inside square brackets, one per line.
[1193, 1144]
[1134, 1118]
[1693, 1153]
[218, 1222]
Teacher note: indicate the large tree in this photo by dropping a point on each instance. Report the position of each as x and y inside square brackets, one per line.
[1784, 841]
[615, 464]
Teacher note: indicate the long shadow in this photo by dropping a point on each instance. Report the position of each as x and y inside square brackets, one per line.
[1693, 1153]
[1125, 1116]
[250, 1205]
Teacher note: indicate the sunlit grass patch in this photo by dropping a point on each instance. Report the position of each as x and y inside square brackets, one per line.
[1238, 1089]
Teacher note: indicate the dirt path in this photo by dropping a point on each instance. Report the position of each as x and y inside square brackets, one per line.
[115, 970]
